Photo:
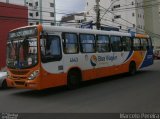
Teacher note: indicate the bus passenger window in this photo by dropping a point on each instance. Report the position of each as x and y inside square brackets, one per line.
[70, 44]
[87, 43]
[50, 49]
[136, 44]
[126, 43]
[116, 43]
[144, 44]
[103, 43]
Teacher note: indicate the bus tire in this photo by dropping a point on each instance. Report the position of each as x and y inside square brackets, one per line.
[4, 84]
[73, 79]
[132, 68]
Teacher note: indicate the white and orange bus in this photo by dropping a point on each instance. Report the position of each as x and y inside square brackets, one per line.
[40, 57]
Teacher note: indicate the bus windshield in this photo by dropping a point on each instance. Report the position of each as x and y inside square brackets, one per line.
[22, 50]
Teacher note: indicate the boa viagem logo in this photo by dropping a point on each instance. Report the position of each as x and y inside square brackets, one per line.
[93, 60]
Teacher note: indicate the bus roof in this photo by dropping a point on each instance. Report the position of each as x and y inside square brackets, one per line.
[50, 29]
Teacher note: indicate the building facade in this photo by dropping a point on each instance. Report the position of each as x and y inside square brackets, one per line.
[73, 20]
[11, 17]
[41, 12]
[123, 14]
[152, 21]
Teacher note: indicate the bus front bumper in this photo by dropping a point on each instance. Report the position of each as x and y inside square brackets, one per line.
[25, 84]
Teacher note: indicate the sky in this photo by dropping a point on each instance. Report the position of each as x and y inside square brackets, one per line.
[63, 7]
[69, 6]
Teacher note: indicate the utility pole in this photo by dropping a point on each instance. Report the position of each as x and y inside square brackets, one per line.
[98, 25]
[54, 12]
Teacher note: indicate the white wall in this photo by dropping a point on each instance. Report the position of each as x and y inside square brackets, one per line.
[47, 9]
[126, 14]
[17, 2]
[152, 22]
[44, 9]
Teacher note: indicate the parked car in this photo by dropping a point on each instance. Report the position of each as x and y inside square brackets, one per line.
[157, 54]
[3, 82]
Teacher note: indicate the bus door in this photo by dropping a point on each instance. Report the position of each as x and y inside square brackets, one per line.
[147, 50]
[104, 56]
[51, 56]
[88, 55]
[127, 50]
[117, 57]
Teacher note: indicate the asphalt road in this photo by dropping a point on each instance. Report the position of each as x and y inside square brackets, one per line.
[139, 93]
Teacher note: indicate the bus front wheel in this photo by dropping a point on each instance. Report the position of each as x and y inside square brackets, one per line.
[4, 84]
[73, 79]
[132, 68]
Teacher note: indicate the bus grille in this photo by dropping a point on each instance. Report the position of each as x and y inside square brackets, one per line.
[19, 82]
[18, 78]
[19, 72]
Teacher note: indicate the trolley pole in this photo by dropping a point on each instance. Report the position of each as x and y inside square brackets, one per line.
[98, 25]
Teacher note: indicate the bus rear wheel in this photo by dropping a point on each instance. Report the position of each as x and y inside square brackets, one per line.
[73, 79]
[132, 68]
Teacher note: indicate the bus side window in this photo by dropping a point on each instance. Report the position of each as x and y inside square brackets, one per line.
[144, 44]
[136, 44]
[87, 43]
[127, 43]
[149, 43]
[103, 43]
[70, 44]
[116, 43]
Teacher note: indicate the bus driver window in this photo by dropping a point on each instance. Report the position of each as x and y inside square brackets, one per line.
[50, 49]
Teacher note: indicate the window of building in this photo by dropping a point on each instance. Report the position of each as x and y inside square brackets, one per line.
[30, 4]
[133, 14]
[136, 44]
[36, 3]
[87, 43]
[132, 3]
[126, 43]
[37, 23]
[134, 25]
[117, 6]
[51, 4]
[103, 44]
[51, 14]
[37, 14]
[31, 24]
[117, 16]
[116, 43]
[52, 24]
[31, 14]
[70, 44]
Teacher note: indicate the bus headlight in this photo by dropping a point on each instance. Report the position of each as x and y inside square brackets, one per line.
[8, 74]
[33, 75]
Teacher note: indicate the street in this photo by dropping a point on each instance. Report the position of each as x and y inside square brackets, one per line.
[122, 93]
